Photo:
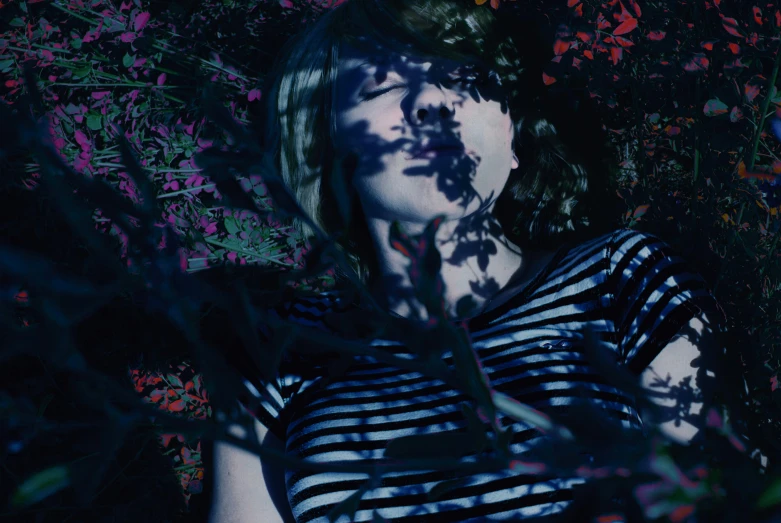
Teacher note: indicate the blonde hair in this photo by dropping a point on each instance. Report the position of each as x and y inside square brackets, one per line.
[540, 196]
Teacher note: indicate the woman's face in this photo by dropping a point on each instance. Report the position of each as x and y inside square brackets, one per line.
[389, 106]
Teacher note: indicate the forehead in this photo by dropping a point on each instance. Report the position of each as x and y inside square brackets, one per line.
[369, 56]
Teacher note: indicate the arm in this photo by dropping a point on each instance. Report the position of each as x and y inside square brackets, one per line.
[672, 379]
[246, 490]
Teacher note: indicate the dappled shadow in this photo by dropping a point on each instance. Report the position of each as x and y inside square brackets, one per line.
[429, 104]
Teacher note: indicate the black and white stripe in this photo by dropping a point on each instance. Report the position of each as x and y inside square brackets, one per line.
[626, 285]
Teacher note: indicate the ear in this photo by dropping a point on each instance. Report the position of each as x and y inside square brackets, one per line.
[515, 163]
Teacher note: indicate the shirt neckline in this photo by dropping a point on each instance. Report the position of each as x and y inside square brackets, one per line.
[522, 294]
[484, 317]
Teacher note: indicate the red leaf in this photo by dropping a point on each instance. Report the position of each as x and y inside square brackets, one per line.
[681, 513]
[758, 15]
[588, 54]
[156, 395]
[696, 64]
[399, 247]
[623, 42]
[773, 383]
[628, 26]
[616, 53]
[778, 18]
[735, 115]
[751, 91]
[731, 26]
[547, 80]
[560, 47]
[177, 406]
[583, 36]
[735, 48]
[641, 210]
[571, 3]
[656, 35]
[636, 8]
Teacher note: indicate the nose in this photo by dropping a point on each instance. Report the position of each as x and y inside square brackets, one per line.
[432, 100]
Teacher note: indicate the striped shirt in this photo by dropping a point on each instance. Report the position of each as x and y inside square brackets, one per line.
[628, 286]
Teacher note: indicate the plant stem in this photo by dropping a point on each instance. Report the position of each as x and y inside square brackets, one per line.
[242, 251]
[71, 13]
[750, 166]
[696, 148]
[763, 112]
[182, 191]
[770, 253]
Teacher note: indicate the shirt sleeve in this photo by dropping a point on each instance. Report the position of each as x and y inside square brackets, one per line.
[267, 400]
[654, 294]
[273, 402]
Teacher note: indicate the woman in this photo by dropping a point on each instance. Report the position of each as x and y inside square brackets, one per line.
[417, 109]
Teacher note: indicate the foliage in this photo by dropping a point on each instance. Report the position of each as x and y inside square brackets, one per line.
[117, 127]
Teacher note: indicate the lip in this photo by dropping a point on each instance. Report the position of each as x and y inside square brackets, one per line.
[433, 150]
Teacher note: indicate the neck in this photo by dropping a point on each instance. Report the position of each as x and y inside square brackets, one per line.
[478, 262]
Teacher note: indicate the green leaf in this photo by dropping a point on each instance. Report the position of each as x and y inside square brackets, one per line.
[5, 65]
[349, 506]
[522, 412]
[465, 306]
[473, 423]
[443, 487]
[442, 445]
[128, 60]
[76, 43]
[40, 486]
[94, 122]
[174, 380]
[17, 22]
[771, 496]
[715, 107]
[197, 383]
[81, 72]
[231, 226]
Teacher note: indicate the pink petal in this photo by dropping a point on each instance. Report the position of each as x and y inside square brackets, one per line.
[141, 20]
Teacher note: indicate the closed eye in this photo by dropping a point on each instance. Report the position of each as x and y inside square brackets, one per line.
[375, 94]
[464, 80]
